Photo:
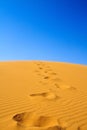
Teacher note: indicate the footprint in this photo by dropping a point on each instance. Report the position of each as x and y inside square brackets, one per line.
[72, 88]
[65, 86]
[40, 68]
[56, 80]
[46, 77]
[38, 64]
[32, 120]
[57, 85]
[36, 71]
[48, 69]
[60, 84]
[44, 121]
[53, 73]
[18, 117]
[45, 71]
[47, 95]
[54, 128]
[26, 119]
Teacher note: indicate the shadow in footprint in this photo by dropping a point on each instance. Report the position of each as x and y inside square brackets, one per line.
[57, 85]
[40, 68]
[18, 117]
[46, 77]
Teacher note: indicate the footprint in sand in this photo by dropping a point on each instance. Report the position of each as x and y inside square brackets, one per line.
[57, 86]
[37, 64]
[31, 120]
[47, 95]
[40, 68]
[53, 73]
[45, 71]
[56, 79]
[61, 85]
[46, 77]
[48, 68]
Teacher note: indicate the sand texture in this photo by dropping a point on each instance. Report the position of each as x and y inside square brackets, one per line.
[40, 95]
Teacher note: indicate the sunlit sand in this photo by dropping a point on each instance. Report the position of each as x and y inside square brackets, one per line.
[39, 95]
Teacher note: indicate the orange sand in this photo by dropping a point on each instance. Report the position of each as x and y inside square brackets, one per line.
[39, 95]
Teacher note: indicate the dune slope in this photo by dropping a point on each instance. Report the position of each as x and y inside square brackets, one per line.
[39, 95]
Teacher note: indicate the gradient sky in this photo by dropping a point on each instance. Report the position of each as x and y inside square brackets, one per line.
[54, 30]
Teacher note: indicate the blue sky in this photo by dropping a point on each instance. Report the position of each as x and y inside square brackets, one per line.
[54, 30]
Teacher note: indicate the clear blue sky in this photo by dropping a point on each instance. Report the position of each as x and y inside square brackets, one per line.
[54, 30]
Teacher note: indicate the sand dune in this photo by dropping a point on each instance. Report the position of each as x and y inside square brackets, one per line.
[39, 95]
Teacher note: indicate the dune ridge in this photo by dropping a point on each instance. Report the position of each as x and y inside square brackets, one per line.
[40, 95]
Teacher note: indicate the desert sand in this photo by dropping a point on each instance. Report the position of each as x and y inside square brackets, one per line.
[41, 95]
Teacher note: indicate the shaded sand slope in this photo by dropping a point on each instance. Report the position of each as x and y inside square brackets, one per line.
[38, 95]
